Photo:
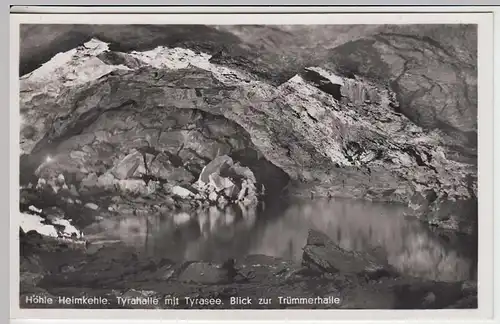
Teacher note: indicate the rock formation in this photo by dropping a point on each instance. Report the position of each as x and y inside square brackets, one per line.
[357, 280]
[321, 254]
[354, 125]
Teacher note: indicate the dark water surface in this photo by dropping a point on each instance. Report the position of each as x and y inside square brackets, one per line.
[281, 231]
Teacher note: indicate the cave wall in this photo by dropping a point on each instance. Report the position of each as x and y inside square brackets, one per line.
[330, 131]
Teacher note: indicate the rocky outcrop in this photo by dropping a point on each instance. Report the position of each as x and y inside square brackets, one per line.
[275, 52]
[435, 79]
[321, 254]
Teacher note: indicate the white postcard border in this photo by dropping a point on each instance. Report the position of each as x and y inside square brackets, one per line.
[485, 161]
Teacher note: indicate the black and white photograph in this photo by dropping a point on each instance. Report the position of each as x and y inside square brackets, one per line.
[255, 166]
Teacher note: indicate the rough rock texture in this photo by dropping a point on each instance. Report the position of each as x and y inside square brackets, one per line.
[435, 79]
[270, 52]
[379, 114]
[333, 134]
[204, 273]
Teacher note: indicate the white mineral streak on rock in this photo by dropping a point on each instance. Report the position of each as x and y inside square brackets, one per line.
[76, 66]
[34, 209]
[91, 206]
[30, 222]
[69, 229]
[66, 69]
[172, 58]
[181, 58]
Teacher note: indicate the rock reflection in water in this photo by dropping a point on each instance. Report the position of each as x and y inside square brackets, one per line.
[215, 235]
[407, 244]
[210, 234]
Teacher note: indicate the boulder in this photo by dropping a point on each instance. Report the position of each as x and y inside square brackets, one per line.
[232, 192]
[322, 254]
[36, 223]
[91, 206]
[133, 186]
[220, 183]
[217, 165]
[53, 226]
[89, 181]
[181, 192]
[106, 181]
[66, 229]
[161, 166]
[60, 179]
[213, 196]
[127, 166]
[153, 187]
[141, 169]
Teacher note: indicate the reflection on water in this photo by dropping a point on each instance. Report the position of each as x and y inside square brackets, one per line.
[281, 231]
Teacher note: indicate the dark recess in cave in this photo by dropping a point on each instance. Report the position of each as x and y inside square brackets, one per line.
[273, 178]
[323, 83]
